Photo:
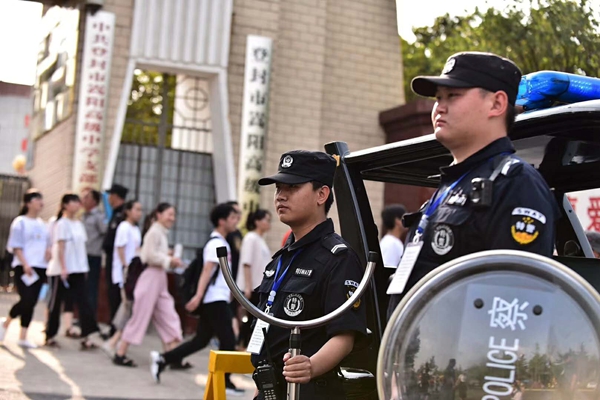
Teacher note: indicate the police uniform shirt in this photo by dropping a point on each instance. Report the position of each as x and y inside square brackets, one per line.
[522, 215]
[323, 275]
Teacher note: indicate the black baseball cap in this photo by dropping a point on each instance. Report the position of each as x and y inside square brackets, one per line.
[119, 190]
[472, 69]
[301, 166]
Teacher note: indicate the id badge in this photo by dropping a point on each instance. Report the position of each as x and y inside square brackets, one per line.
[257, 339]
[411, 253]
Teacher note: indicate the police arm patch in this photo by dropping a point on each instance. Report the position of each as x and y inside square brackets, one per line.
[526, 225]
[351, 287]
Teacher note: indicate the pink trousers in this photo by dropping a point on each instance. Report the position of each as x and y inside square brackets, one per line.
[152, 301]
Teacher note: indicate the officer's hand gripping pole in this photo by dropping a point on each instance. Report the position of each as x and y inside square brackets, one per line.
[293, 389]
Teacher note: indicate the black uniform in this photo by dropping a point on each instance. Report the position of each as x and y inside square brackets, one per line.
[324, 274]
[114, 292]
[522, 215]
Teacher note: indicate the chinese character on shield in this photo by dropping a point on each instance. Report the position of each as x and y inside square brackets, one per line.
[504, 314]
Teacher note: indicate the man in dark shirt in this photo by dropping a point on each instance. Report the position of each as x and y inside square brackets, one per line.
[312, 275]
[116, 198]
[488, 198]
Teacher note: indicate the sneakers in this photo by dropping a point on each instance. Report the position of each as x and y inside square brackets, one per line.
[2, 329]
[157, 365]
[232, 390]
[26, 344]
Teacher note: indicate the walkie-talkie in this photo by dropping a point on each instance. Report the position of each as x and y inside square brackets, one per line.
[265, 377]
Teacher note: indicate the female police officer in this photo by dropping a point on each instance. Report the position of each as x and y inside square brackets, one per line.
[313, 274]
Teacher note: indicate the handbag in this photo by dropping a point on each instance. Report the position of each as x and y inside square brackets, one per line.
[135, 269]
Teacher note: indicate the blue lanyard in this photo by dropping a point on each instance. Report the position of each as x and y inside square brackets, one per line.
[277, 282]
[435, 203]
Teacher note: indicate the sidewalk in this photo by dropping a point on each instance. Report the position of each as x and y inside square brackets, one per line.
[68, 373]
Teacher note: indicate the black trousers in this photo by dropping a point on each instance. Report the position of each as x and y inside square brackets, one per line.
[93, 281]
[28, 295]
[77, 289]
[113, 292]
[215, 319]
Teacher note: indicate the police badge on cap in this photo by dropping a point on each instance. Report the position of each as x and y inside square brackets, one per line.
[301, 166]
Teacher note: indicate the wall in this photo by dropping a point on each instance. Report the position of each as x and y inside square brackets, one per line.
[53, 153]
[15, 103]
[336, 65]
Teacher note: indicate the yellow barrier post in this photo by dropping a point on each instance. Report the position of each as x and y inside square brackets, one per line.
[219, 363]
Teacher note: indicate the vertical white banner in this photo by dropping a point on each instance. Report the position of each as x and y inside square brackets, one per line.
[254, 121]
[93, 99]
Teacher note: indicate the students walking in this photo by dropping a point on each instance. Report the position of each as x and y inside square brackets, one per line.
[29, 242]
[127, 246]
[67, 272]
[212, 296]
[151, 298]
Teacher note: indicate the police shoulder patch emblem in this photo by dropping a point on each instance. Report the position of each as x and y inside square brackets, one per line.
[351, 287]
[526, 225]
[293, 304]
[442, 240]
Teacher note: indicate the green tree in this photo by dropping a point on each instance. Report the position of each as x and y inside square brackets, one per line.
[560, 35]
[145, 107]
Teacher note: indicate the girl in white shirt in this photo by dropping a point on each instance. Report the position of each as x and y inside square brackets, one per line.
[128, 240]
[254, 257]
[29, 242]
[67, 272]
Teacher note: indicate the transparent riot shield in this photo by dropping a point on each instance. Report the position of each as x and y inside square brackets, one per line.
[494, 325]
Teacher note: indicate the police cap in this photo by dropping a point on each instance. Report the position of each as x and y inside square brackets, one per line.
[301, 166]
[473, 69]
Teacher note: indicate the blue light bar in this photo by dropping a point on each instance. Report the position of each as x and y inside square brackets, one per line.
[545, 88]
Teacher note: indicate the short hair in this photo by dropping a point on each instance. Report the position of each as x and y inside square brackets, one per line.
[95, 195]
[594, 239]
[509, 116]
[219, 212]
[329, 202]
[390, 213]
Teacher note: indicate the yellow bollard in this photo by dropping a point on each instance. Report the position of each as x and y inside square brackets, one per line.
[219, 363]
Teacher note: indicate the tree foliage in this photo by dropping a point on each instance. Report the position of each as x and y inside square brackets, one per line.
[560, 35]
[145, 107]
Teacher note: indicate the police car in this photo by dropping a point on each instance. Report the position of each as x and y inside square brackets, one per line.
[562, 142]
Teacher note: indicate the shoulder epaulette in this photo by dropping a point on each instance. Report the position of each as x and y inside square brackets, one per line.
[335, 244]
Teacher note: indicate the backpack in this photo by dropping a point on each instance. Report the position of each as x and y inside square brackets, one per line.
[188, 282]
[135, 269]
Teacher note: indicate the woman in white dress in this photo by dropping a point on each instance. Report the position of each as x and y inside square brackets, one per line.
[29, 242]
[67, 272]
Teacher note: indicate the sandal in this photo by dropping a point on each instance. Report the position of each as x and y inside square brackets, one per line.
[70, 334]
[52, 343]
[181, 366]
[85, 345]
[123, 361]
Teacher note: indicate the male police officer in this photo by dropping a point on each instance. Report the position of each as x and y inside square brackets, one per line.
[313, 274]
[488, 198]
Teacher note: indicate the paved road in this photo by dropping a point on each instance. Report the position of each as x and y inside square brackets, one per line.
[68, 373]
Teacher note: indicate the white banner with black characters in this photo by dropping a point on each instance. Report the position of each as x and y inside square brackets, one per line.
[254, 121]
[93, 98]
